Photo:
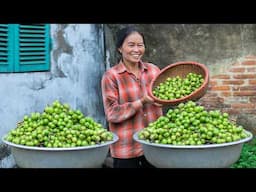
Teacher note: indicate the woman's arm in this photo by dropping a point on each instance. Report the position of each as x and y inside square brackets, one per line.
[114, 111]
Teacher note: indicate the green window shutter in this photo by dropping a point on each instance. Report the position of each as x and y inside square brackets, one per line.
[32, 48]
[24, 48]
[6, 48]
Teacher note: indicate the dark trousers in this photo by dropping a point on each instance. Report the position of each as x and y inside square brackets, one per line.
[137, 162]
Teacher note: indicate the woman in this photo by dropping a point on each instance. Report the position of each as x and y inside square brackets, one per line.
[127, 105]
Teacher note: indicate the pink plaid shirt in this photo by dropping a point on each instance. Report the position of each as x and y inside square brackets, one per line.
[121, 91]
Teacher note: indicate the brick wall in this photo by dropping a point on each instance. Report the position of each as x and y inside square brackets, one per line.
[235, 90]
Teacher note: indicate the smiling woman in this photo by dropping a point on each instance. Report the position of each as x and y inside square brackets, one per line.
[128, 107]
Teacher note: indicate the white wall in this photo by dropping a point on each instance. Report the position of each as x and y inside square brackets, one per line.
[77, 64]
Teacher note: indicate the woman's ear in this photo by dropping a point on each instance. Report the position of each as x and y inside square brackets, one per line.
[119, 50]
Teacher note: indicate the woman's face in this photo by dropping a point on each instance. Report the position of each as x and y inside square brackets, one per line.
[132, 48]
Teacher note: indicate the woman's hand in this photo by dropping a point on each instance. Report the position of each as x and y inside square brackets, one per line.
[147, 99]
[158, 104]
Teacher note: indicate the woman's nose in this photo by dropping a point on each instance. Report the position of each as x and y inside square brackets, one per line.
[136, 48]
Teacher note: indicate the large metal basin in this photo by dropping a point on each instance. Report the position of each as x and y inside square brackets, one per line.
[192, 156]
[74, 157]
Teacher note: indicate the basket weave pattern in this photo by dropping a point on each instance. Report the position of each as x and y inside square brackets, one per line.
[181, 69]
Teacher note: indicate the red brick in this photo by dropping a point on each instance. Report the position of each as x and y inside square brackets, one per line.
[211, 94]
[245, 76]
[248, 88]
[243, 105]
[244, 93]
[221, 77]
[212, 83]
[252, 81]
[250, 62]
[237, 70]
[233, 82]
[226, 94]
[244, 88]
[210, 99]
[221, 88]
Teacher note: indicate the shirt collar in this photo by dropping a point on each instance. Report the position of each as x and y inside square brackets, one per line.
[121, 67]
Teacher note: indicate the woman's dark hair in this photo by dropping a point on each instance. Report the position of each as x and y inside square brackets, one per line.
[123, 33]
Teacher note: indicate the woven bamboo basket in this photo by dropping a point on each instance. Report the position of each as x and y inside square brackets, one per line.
[181, 69]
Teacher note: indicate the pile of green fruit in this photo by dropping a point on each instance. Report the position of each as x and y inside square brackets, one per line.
[177, 87]
[191, 124]
[58, 126]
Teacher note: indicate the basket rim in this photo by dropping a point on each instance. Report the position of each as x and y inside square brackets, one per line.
[164, 101]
